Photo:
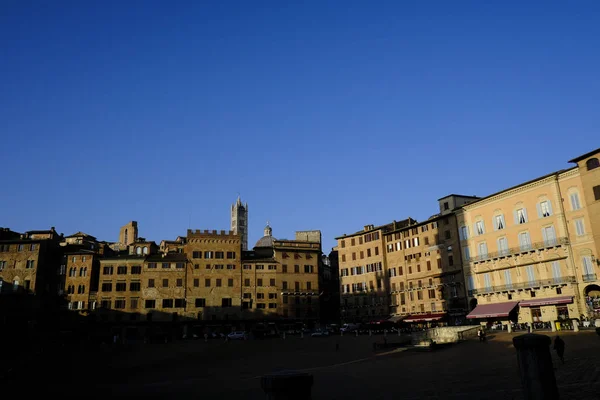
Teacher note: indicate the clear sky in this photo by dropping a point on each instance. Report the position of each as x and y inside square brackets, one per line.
[322, 115]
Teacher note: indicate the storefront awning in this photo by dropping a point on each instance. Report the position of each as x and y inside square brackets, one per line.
[493, 310]
[547, 301]
[396, 318]
[424, 318]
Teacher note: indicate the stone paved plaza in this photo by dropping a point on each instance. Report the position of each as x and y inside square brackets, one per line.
[217, 369]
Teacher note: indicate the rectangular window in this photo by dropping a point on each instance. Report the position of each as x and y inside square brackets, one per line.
[200, 303]
[167, 303]
[296, 286]
[439, 263]
[207, 282]
[179, 265]
[218, 283]
[231, 255]
[150, 282]
[150, 304]
[108, 270]
[196, 282]
[579, 228]
[135, 286]
[136, 270]
[450, 261]
[507, 279]
[309, 269]
[121, 270]
[487, 282]
[376, 251]
[179, 282]
[166, 265]
[246, 266]
[197, 254]
[260, 267]
[597, 192]
[272, 296]
[226, 302]
[483, 249]
[520, 216]
[463, 233]
[431, 293]
[134, 303]
[499, 222]
[20, 247]
[284, 285]
[524, 241]
[530, 273]
[263, 305]
[544, 209]
[208, 254]
[246, 282]
[343, 258]
[284, 268]
[272, 267]
[479, 228]
[259, 282]
[467, 253]
[352, 242]
[549, 235]
[119, 304]
[179, 303]
[272, 305]
[230, 282]
[165, 283]
[575, 205]
[219, 255]
[151, 265]
[30, 264]
[218, 266]
[588, 267]
[107, 287]
[556, 274]
[502, 246]
[271, 282]
[105, 303]
[308, 286]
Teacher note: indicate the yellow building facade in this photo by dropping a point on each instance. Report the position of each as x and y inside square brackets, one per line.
[529, 252]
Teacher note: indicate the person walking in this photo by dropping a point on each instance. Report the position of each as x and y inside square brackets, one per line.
[559, 346]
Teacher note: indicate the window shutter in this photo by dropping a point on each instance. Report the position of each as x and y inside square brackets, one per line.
[539, 210]
[494, 223]
[475, 229]
[573, 205]
[516, 215]
[525, 214]
[550, 207]
[544, 234]
[461, 236]
[503, 221]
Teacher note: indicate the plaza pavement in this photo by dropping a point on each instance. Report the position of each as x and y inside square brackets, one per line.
[224, 370]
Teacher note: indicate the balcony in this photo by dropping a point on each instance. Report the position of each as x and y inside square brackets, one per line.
[589, 277]
[521, 249]
[564, 280]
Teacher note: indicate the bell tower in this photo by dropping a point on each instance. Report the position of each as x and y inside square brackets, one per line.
[239, 221]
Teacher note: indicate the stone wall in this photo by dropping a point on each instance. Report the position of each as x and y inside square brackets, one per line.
[446, 334]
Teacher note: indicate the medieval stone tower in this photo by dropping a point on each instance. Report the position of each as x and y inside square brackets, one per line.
[239, 221]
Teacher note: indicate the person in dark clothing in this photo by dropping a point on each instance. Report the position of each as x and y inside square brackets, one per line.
[559, 346]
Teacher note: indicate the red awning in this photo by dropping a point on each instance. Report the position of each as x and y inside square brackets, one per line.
[424, 318]
[493, 310]
[547, 301]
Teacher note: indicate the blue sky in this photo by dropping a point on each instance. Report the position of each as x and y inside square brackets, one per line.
[322, 115]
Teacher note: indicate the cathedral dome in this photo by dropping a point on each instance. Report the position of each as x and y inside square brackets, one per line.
[267, 240]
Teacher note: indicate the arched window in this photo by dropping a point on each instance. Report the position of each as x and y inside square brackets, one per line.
[84, 271]
[592, 163]
[145, 250]
[138, 250]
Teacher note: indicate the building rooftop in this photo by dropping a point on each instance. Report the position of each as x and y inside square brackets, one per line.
[586, 155]
[386, 227]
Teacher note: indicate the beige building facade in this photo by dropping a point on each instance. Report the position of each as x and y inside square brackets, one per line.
[530, 251]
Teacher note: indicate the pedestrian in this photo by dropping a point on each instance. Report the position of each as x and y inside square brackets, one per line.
[559, 346]
[480, 334]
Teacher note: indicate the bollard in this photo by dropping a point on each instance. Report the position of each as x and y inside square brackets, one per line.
[535, 367]
[287, 385]
[509, 327]
[530, 327]
[553, 326]
[575, 325]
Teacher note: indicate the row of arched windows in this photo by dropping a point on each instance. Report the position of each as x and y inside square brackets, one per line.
[82, 271]
[80, 289]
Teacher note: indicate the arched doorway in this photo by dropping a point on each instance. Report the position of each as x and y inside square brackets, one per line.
[473, 304]
[592, 300]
